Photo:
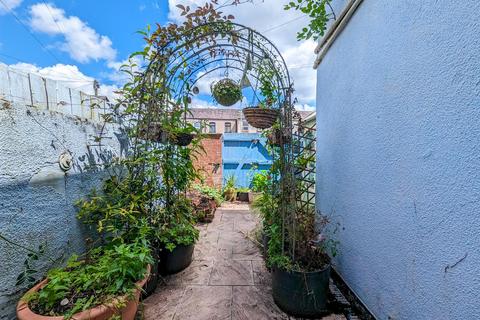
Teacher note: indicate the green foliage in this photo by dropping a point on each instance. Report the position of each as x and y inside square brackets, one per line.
[209, 192]
[318, 13]
[120, 211]
[176, 225]
[109, 273]
[243, 189]
[226, 92]
[268, 89]
[261, 181]
[229, 190]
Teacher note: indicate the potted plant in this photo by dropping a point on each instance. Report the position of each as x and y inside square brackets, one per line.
[205, 200]
[182, 137]
[177, 236]
[263, 116]
[259, 185]
[299, 257]
[242, 194]
[229, 190]
[107, 282]
[226, 92]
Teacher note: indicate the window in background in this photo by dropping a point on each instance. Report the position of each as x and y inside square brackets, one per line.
[212, 127]
[197, 125]
[228, 127]
[244, 126]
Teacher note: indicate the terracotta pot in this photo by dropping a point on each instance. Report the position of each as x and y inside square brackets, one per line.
[101, 312]
[260, 118]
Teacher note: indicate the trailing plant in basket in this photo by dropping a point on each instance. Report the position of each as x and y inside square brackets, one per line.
[226, 92]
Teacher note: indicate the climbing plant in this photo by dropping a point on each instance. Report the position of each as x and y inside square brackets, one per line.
[318, 11]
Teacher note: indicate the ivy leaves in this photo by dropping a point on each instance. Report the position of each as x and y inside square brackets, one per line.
[318, 13]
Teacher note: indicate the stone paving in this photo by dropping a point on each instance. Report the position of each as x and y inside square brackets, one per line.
[226, 280]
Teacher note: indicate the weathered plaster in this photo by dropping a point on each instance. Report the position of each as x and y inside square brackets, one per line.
[36, 196]
[398, 162]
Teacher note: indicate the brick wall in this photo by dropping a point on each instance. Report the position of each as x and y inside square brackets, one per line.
[210, 161]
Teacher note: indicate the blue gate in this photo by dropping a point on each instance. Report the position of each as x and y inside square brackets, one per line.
[243, 155]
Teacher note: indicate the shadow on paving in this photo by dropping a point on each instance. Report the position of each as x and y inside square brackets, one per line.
[226, 280]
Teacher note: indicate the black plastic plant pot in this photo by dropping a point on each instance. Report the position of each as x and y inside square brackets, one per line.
[242, 196]
[301, 294]
[265, 241]
[175, 261]
[152, 282]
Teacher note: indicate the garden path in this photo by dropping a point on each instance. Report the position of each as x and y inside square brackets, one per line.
[226, 280]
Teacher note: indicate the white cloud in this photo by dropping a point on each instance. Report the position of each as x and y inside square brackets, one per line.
[82, 42]
[281, 27]
[70, 75]
[9, 5]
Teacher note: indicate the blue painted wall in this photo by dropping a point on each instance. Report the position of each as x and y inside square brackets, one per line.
[398, 120]
[243, 155]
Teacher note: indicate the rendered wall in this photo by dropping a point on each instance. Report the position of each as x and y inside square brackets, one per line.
[398, 165]
[36, 196]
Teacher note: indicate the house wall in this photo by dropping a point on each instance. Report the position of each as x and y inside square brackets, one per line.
[209, 161]
[36, 196]
[398, 120]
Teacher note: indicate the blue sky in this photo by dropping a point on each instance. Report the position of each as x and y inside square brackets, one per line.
[88, 39]
[118, 20]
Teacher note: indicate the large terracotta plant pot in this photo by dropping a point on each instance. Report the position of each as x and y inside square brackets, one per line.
[102, 312]
[260, 118]
[301, 294]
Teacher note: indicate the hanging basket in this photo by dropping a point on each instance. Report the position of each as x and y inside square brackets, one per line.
[226, 92]
[260, 118]
[153, 132]
[182, 139]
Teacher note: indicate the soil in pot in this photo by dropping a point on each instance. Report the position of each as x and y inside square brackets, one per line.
[301, 294]
[175, 261]
[260, 118]
[101, 312]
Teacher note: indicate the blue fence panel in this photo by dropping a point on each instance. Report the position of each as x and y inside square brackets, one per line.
[243, 155]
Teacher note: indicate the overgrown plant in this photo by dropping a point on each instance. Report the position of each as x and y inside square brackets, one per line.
[106, 275]
[319, 13]
[226, 92]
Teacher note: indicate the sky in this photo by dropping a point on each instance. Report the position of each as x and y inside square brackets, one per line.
[78, 41]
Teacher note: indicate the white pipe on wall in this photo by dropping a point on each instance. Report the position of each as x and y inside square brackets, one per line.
[335, 30]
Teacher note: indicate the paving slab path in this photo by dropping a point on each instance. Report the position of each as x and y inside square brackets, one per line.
[226, 280]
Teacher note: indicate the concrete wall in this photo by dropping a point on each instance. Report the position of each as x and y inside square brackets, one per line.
[398, 120]
[36, 196]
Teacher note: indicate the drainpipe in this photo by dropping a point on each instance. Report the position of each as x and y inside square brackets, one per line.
[335, 30]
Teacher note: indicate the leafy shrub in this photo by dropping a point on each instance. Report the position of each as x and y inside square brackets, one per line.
[103, 275]
[178, 223]
[210, 193]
